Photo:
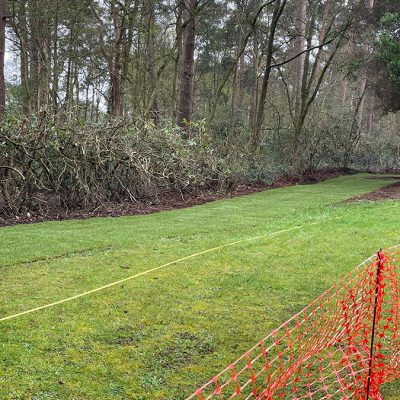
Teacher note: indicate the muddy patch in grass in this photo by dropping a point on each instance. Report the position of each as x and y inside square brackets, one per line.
[391, 192]
[164, 202]
[184, 348]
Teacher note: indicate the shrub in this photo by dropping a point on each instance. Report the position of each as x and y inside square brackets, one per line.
[71, 164]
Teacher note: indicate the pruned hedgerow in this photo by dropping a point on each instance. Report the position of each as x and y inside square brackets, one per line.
[70, 164]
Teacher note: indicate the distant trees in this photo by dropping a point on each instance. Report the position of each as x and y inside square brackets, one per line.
[264, 67]
[2, 55]
[389, 45]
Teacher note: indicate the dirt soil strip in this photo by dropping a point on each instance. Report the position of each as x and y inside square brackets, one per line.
[391, 192]
[164, 202]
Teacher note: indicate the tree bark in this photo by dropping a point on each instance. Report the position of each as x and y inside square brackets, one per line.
[364, 81]
[370, 110]
[2, 55]
[348, 52]
[254, 84]
[278, 9]
[19, 25]
[115, 64]
[299, 47]
[41, 37]
[128, 46]
[323, 32]
[55, 69]
[237, 77]
[254, 73]
[185, 110]
[178, 56]
[114, 54]
[68, 90]
[151, 61]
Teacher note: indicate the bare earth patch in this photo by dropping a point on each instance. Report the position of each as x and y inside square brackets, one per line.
[391, 192]
[167, 201]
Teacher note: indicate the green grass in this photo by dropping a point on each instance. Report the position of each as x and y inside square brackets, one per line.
[161, 335]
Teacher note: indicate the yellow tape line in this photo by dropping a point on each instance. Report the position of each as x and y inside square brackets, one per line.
[152, 270]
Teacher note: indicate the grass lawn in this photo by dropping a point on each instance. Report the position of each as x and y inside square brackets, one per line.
[161, 335]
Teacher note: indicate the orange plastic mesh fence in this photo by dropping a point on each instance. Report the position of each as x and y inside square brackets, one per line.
[344, 345]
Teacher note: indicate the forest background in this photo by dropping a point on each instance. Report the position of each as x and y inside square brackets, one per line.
[131, 100]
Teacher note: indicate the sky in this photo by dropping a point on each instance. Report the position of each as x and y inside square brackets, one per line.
[10, 64]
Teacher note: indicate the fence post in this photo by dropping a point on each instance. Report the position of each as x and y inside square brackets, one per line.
[374, 321]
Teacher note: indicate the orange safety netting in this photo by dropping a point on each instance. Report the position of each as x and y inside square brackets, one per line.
[344, 345]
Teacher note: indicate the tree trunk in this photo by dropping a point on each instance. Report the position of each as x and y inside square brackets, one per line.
[2, 54]
[299, 46]
[254, 84]
[278, 9]
[185, 110]
[308, 96]
[55, 70]
[178, 56]
[41, 41]
[251, 33]
[349, 53]
[323, 32]
[43, 78]
[68, 85]
[364, 81]
[151, 61]
[114, 62]
[128, 46]
[371, 109]
[254, 75]
[237, 76]
[20, 28]
[76, 85]
[115, 108]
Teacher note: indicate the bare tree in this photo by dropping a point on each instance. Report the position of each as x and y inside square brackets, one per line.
[313, 75]
[2, 54]
[278, 9]
[113, 43]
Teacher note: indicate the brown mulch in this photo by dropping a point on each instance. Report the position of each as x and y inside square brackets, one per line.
[391, 192]
[166, 202]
